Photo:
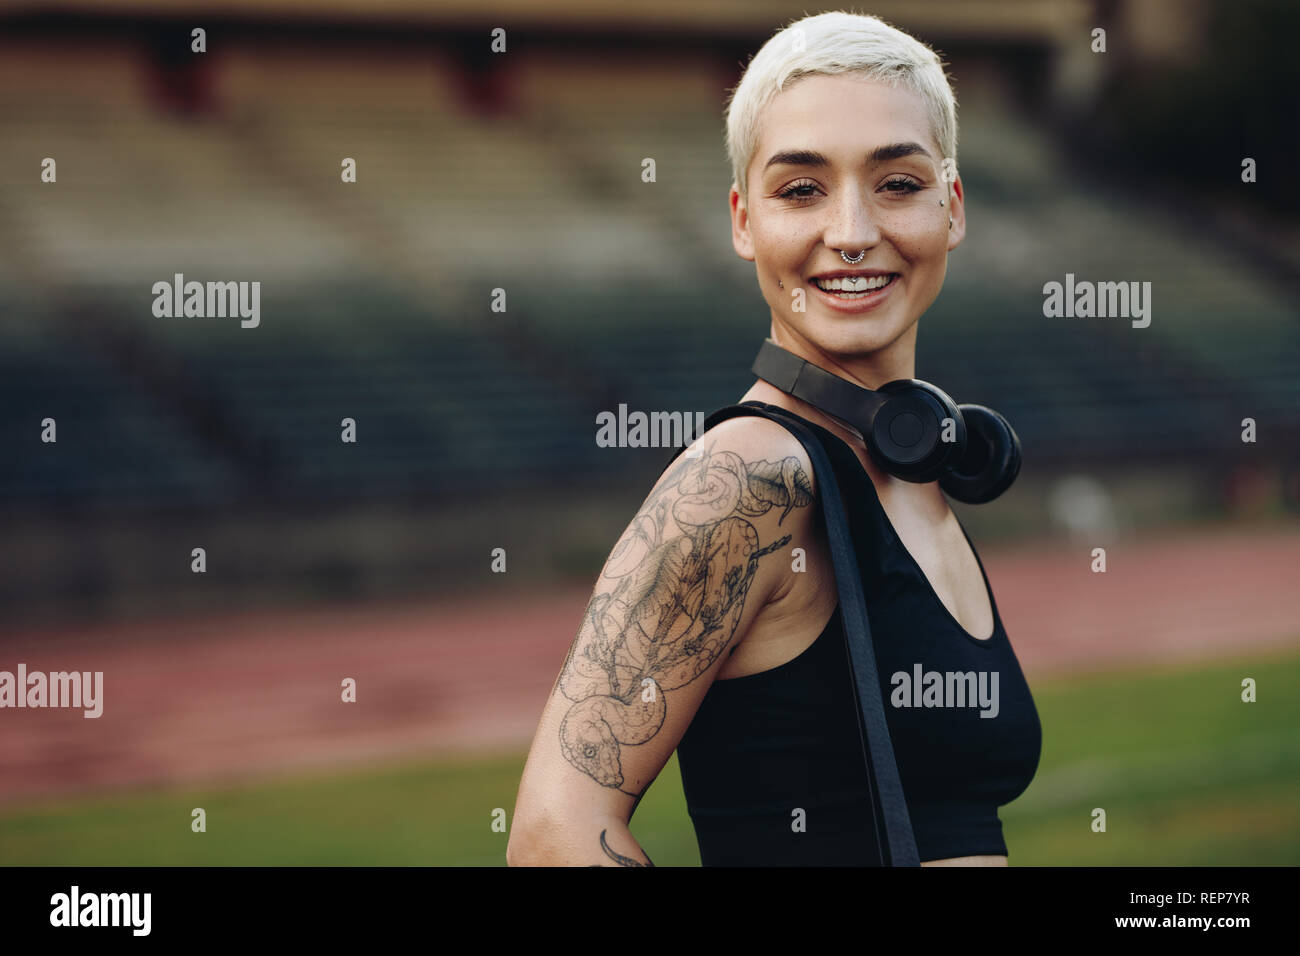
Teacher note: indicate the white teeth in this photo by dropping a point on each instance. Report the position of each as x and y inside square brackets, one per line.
[852, 283]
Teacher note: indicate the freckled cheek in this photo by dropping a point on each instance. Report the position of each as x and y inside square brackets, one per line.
[784, 253]
[782, 244]
[924, 250]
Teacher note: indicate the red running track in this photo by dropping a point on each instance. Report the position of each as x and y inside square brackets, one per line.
[220, 698]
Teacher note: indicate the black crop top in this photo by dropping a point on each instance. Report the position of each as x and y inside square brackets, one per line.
[763, 746]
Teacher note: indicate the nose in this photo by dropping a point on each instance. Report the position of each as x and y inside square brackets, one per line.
[852, 225]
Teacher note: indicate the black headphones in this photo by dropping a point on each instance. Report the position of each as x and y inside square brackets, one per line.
[902, 423]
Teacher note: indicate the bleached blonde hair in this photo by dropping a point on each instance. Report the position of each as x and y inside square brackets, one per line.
[829, 44]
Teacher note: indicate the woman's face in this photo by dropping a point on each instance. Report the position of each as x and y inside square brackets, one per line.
[848, 163]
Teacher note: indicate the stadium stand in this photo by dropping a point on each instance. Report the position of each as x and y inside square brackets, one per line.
[376, 297]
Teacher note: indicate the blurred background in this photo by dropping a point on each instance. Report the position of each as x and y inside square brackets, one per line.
[475, 428]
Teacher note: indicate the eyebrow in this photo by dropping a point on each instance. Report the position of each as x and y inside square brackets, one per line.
[881, 154]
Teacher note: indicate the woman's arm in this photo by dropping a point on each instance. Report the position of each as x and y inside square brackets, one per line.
[707, 550]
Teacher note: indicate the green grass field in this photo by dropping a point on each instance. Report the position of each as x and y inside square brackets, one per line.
[1186, 772]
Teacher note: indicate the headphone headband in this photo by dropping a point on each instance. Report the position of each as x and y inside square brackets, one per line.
[816, 386]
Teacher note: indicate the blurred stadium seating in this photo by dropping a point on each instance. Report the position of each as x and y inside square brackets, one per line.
[376, 296]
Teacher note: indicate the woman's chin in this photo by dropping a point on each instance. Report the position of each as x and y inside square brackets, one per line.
[836, 335]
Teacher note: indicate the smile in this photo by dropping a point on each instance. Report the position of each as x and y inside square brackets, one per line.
[854, 287]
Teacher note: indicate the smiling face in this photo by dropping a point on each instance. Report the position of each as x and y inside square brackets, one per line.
[848, 163]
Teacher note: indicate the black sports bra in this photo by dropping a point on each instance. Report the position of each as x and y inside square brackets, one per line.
[772, 763]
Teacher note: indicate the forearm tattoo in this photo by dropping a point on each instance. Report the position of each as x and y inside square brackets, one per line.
[668, 602]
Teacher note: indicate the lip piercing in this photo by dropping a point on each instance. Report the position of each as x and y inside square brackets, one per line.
[852, 262]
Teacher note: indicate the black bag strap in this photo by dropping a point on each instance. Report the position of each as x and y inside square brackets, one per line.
[877, 748]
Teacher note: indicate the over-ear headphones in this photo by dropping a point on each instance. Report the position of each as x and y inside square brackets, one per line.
[903, 423]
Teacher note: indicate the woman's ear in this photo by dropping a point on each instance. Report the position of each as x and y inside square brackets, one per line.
[957, 210]
[740, 237]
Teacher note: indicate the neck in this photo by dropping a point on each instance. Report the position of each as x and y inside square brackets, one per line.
[868, 369]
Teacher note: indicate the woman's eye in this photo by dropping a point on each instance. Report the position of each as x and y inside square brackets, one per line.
[901, 185]
[796, 192]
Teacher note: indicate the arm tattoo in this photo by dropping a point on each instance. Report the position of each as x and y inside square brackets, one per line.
[619, 858]
[668, 602]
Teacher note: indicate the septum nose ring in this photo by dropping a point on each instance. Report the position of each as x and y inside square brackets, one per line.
[852, 262]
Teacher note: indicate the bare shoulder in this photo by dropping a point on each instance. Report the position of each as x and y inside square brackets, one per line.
[775, 462]
[746, 473]
[755, 435]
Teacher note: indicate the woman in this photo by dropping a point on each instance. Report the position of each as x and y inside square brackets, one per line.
[714, 627]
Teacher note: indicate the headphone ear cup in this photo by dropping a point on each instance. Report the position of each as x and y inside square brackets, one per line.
[991, 461]
[906, 436]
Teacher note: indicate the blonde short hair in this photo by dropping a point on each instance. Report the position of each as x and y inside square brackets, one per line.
[828, 44]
